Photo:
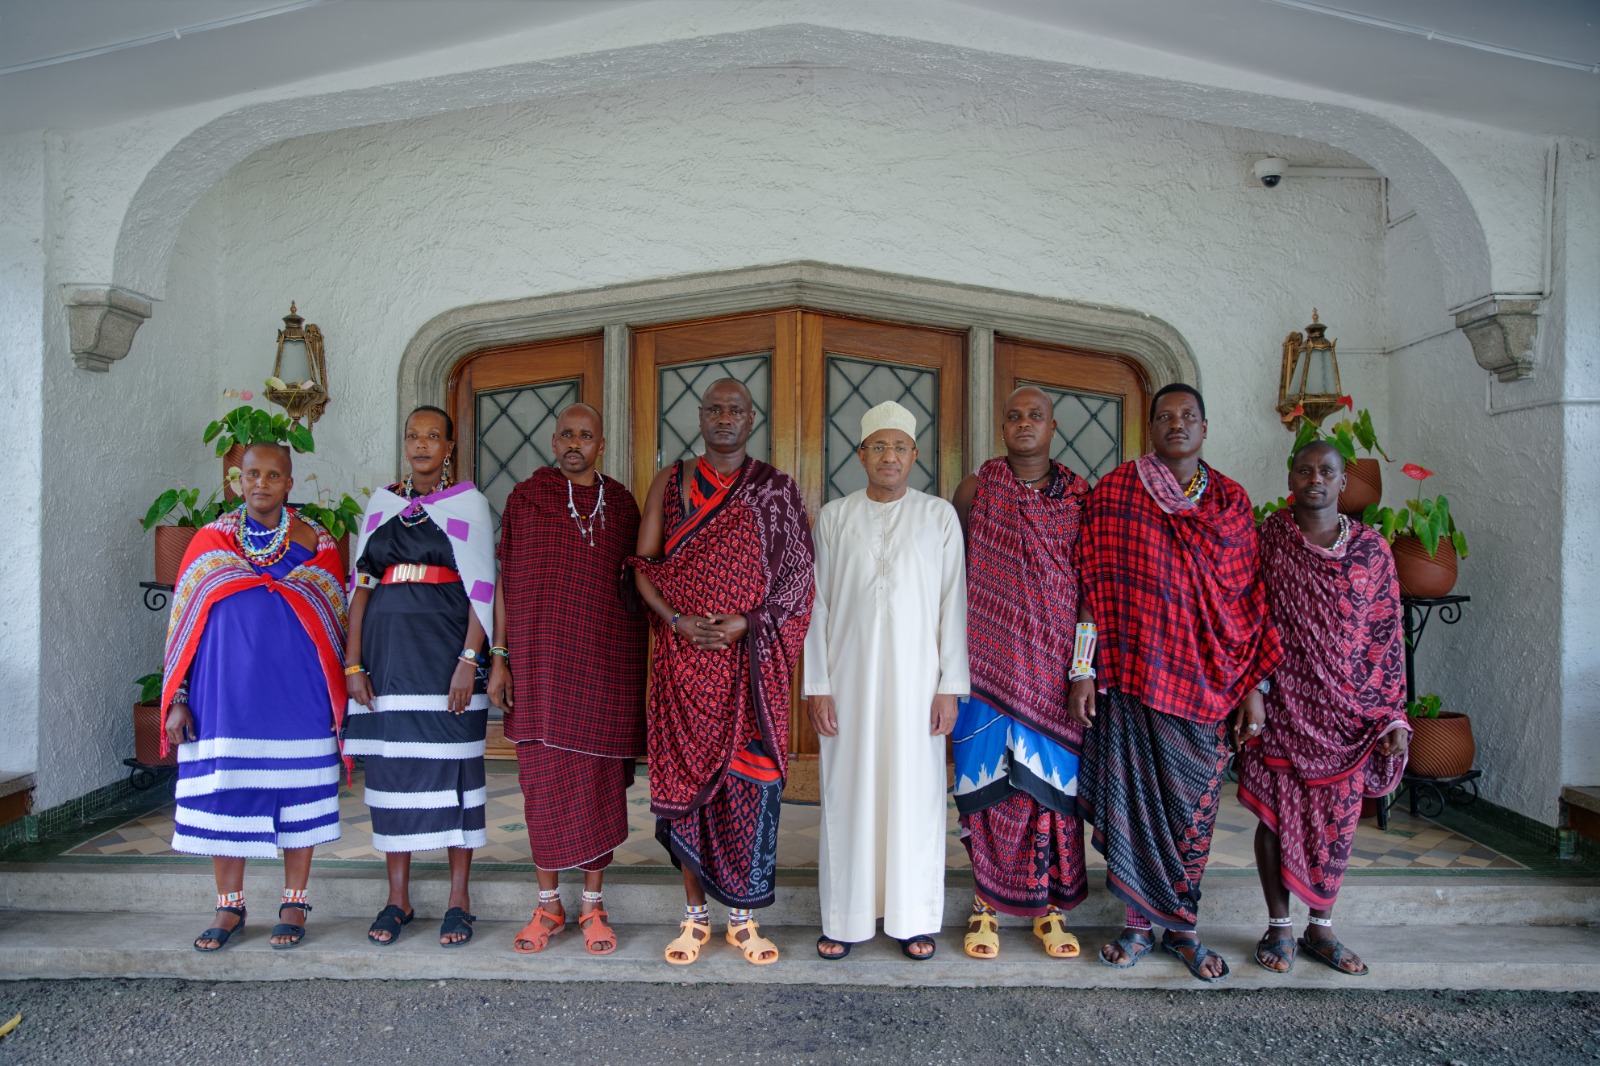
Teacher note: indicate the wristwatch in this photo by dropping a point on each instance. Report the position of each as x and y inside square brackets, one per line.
[471, 656]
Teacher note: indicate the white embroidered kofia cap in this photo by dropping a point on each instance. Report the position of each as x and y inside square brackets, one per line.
[888, 415]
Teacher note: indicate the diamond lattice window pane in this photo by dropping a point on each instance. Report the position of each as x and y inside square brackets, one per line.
[1088, 431]
[679, 388]
[514, 431]
[854, 387]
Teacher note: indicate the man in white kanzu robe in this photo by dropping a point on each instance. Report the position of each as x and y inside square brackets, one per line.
[885, 660]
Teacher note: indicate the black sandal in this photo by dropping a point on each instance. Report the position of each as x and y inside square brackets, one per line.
[297, 932]
[920, 938]
[390, 920]
[1331, 953]
[826, 939]
[1280, 948]
[456, 920]
[1135, 945]
[219, 934]
[1173, 946]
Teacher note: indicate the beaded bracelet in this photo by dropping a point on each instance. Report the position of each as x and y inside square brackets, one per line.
[351, 671]
[504, 653]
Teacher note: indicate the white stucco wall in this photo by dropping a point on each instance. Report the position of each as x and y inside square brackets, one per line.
[377, 230]
[22, 305]
[112, 442]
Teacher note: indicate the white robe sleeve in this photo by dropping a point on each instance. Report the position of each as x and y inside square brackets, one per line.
[953, 677]
[816, 678]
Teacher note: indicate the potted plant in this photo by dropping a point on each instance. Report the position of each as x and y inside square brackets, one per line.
[147, 724]
[1441, 741]
[1363, 476]
[1425, 539]
[186, 514]
[246, 425]
[341, 518]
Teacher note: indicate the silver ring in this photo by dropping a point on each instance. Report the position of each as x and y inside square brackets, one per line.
[1254, 727]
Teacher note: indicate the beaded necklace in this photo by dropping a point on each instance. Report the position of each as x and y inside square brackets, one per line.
[277, 543]
[1197, 484]
[586, 525]
[415, 515]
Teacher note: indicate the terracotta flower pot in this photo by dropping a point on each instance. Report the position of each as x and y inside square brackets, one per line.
[147, 736]
[1363, 486]
[230, 459]
[1442, 746]
[171, 543]
[1422, 575]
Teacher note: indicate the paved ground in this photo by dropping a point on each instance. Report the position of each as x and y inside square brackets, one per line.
[81, 1023]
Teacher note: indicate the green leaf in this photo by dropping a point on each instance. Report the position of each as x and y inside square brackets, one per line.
[1343, 444]
[160, 509]
[1427, 532]
[211, 432]
[223, 444]
[149, 687]
[1369, 517]
[300, 439]
[1459, 539]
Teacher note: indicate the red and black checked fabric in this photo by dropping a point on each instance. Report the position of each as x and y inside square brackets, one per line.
[577, 655]
[1180, 607]
[1026, 858]
[1022, 595]
[1339, 690]
[753, 557]
[1149, 784]
[575, 805]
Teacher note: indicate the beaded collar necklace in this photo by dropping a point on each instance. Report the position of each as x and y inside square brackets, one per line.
[586, 525]
[415, 515]
[1197, 484]
[274, 548]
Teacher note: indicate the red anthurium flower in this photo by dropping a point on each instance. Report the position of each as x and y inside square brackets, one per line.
[1347, 403]
[1412, 470]
[1290, 499]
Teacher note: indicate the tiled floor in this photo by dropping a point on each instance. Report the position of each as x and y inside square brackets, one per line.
[1409, 843]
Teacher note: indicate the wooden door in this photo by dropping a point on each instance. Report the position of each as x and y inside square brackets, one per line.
[1101, 401]
[505, 402]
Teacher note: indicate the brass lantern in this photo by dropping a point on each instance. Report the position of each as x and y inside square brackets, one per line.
[300, 368]
[1310, 376]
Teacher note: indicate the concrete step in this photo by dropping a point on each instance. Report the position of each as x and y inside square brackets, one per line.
[1232, 897]
[51, 945]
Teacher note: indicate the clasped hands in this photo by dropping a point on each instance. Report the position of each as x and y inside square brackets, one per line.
[825, 716]
[716, 632]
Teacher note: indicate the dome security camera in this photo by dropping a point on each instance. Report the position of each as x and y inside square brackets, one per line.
[1270, 171]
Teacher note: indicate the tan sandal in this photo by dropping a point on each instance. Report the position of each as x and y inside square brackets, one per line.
[537, 933]
[689, 942]
[753, 944]
[1058, 943]
[596, 931]
[983, 935]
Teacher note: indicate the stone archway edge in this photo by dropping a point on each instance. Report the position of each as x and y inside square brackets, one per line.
[441, 342]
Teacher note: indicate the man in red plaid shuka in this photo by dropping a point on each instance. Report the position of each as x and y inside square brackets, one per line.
[568, 670]
[1168, 562]
[725, 565]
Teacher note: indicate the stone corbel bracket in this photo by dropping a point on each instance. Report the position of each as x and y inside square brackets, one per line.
[102, 320]
[1504, 332]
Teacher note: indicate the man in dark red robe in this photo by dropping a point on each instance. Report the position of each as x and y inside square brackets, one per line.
[1169, 568]
[568, 670]
[725, 565]
[1336, 727]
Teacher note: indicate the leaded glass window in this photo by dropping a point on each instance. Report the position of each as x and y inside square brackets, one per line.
[855, 386]
[1088, 431]
[514, 430]
[680, 386]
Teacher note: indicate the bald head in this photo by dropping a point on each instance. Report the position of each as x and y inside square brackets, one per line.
[1028, 425]
[599, 423]
[578, 442]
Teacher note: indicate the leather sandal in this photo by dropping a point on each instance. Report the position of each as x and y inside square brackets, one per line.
[920, 938]
[456, 920]
[537, 933]
[596, 931]
[1278, 948]
[219, 934]
[390, 920]
[1174, 943]
[1330, 953]
[983, 935]
[1135, 944]
[688, 943]
[825, 956]
[753, 944]
[297, 932]
[1051, 929]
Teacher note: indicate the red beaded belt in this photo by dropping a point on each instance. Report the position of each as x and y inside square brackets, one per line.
[417, 573]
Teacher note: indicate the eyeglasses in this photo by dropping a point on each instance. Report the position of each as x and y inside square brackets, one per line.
[901, 450]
